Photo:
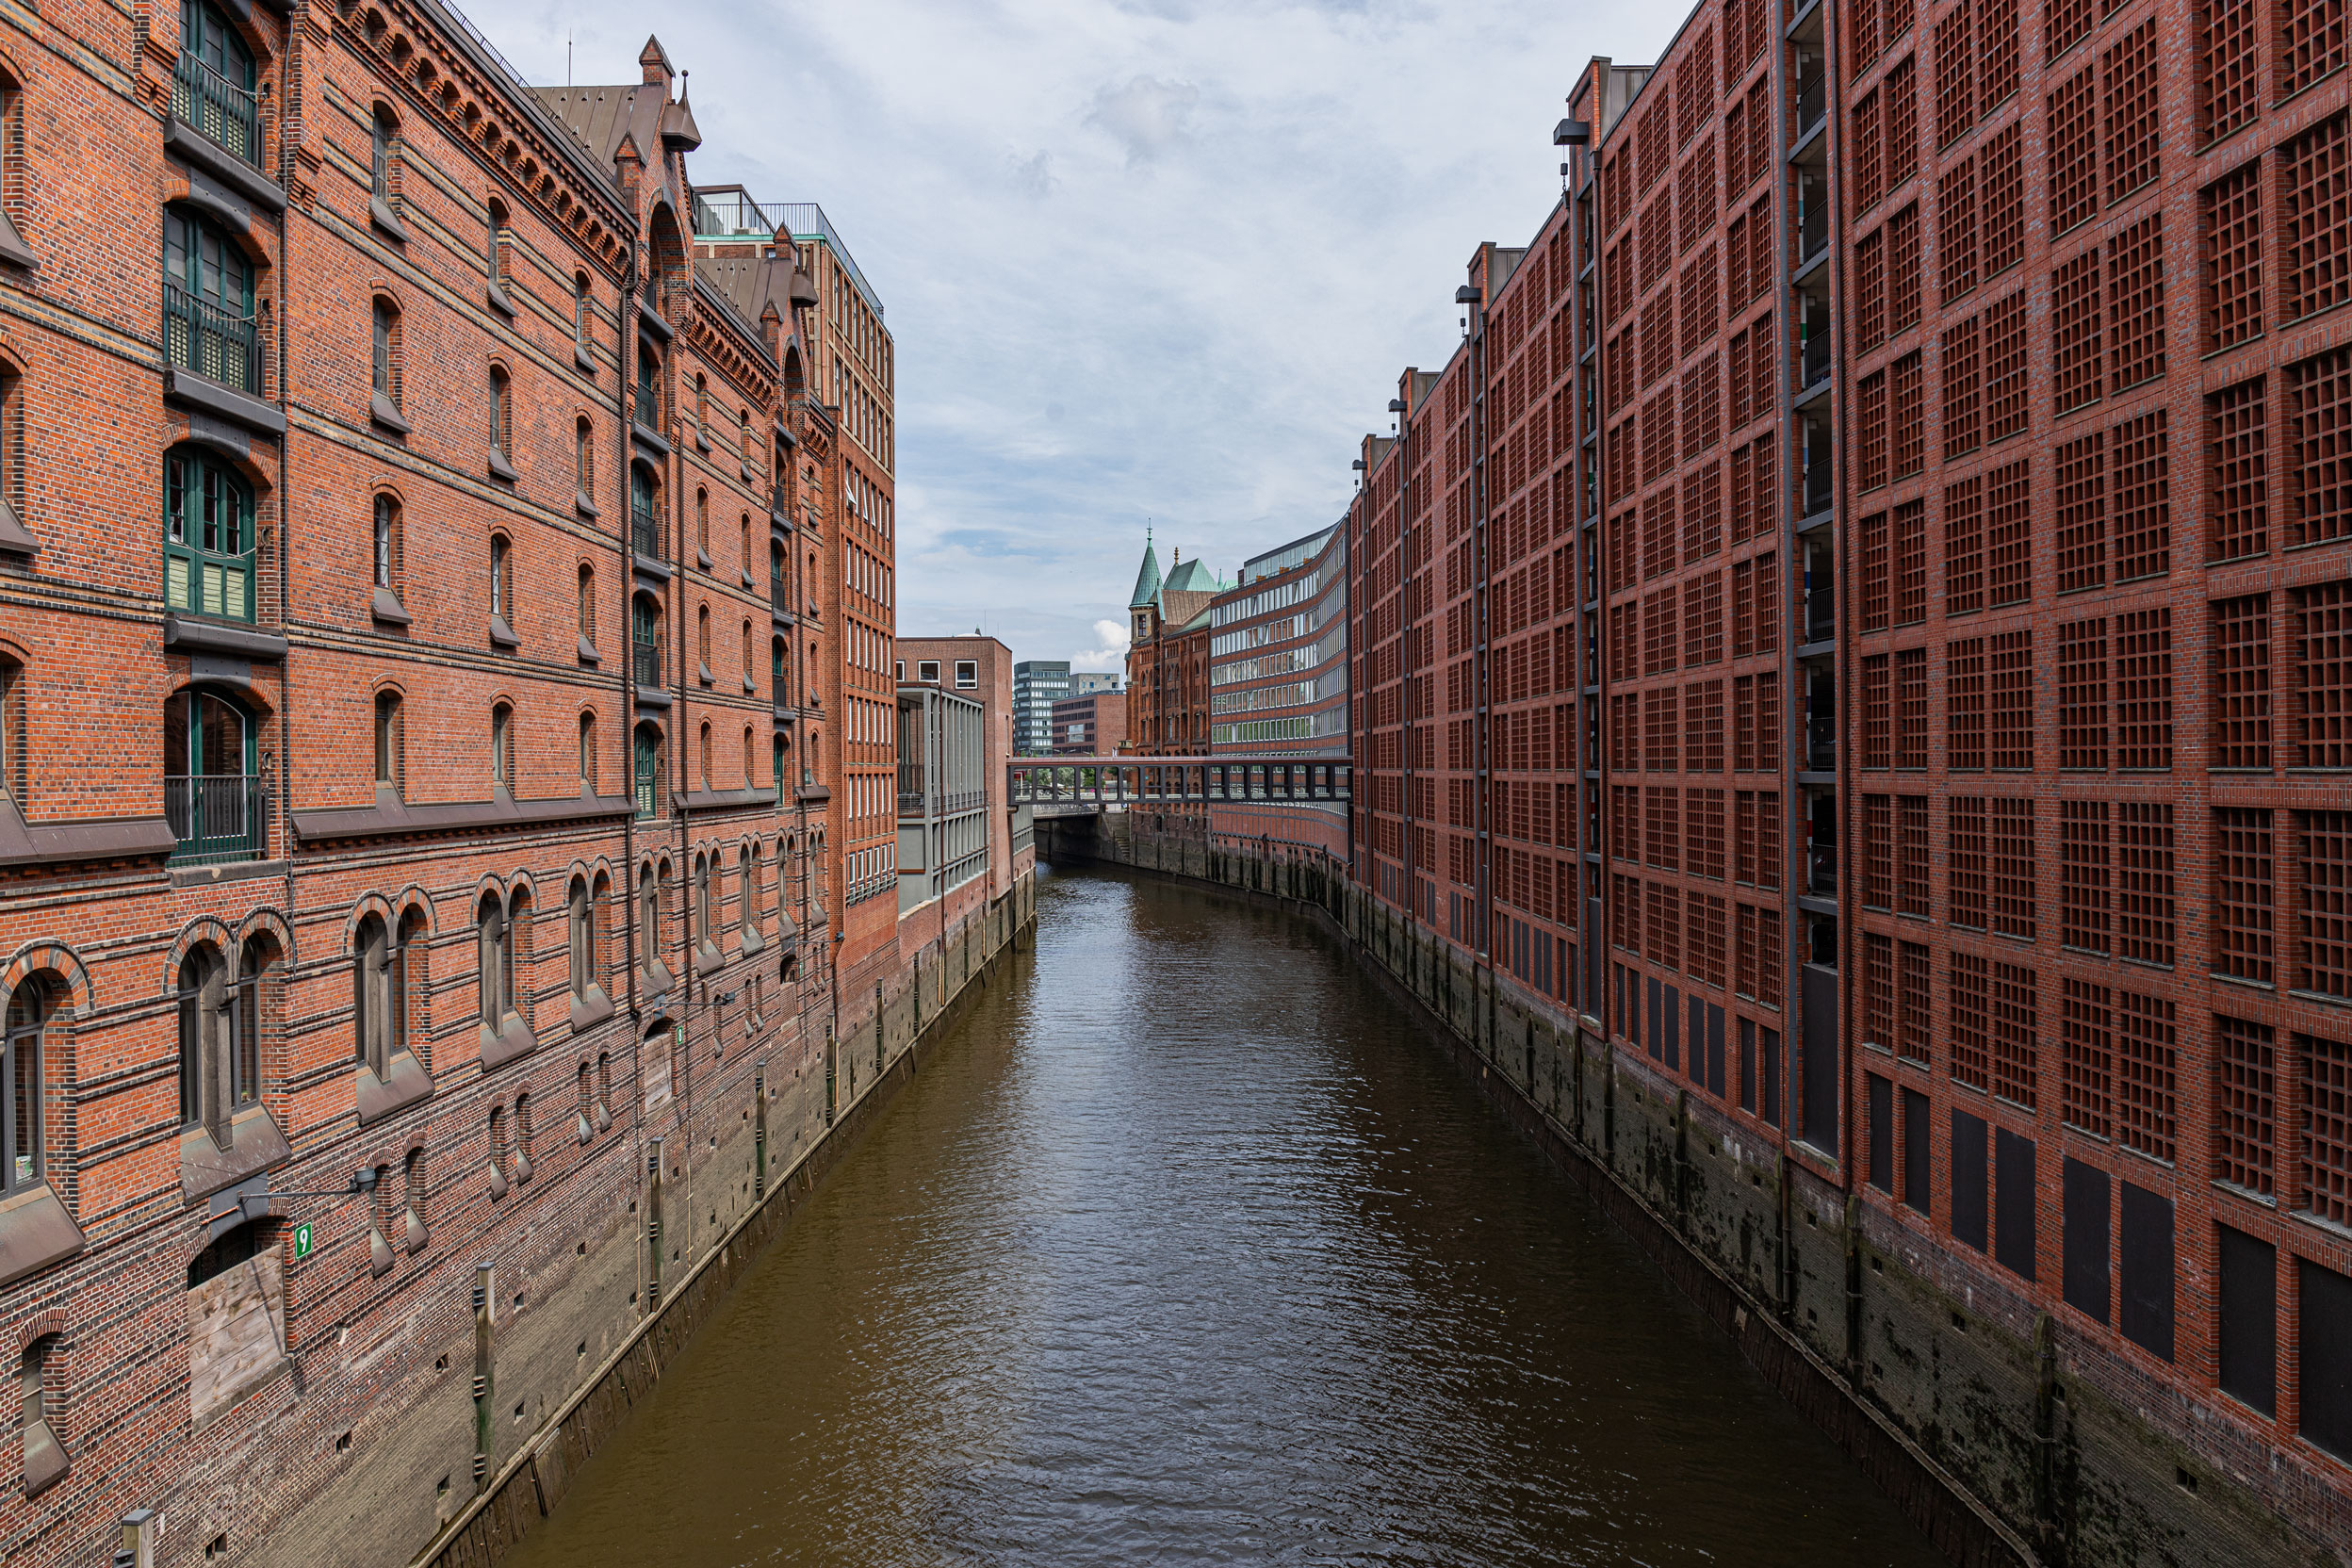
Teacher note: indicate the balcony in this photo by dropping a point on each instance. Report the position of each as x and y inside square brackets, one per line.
[225, 114]
[1819, 615]
[645, 534]
[1821, 744]
[1812, 104]
[201, 336]
[1813, 359]
[1821, 868]
[644, 664]
[1812, 224]
[216, 817]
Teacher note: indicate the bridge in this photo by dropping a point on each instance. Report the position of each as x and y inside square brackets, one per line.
[1069, 786]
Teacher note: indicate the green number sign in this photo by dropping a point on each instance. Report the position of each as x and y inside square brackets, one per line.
[302, 1242]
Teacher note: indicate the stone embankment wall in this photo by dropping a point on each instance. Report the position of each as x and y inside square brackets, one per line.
[2004, 1442]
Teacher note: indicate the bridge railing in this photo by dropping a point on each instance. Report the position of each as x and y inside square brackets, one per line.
[1180, 780]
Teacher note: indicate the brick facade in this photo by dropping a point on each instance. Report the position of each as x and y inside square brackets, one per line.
[393, 710]
[1901, 465]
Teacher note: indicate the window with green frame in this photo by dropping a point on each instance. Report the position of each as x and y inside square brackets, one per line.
[647, 778]
[207, 536]
[208, 321]
[214, 84]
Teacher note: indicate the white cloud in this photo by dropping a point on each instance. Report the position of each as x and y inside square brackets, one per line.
[1111, 656]
[1141, 258]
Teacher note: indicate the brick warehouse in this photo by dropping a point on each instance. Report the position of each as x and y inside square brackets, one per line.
[518, 851]
[1782, 632]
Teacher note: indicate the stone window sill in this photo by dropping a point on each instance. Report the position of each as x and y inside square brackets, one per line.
[501, 468]
[408, 1083]
[582, 357]
[387, 222]
[586, 508]
[386, 609]
[380, 409]
[590, 1010]
[35, 1232]
[502, 635]
[497, 294]
[254, 1144]
[512, 1040]
[588, 652]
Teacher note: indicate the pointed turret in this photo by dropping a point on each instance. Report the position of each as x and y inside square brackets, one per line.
[1147, 576]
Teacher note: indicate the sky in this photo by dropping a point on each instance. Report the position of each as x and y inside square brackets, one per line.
[1146, 263]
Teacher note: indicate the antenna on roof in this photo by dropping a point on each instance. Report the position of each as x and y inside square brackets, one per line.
[567, 57]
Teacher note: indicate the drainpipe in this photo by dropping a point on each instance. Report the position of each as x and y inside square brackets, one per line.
[286, 534]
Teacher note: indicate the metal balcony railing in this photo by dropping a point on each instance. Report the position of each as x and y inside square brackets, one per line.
[1820, 745]
[1821, 870]
[645, 534]
[1821, 616]
[779, 595]
[201, 336]
[215, 816]
[1812, 103]
[1812, 227]
[1813, 362]
[644, 663]
[225, 114]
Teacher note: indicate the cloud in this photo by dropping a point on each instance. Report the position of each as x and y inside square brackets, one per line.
[1140, 259]
[1111, 656]
[1147, 115]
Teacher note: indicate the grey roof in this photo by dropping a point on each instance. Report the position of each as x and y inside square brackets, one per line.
[599, 117]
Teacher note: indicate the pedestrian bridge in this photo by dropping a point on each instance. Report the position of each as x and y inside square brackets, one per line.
[1072, 786]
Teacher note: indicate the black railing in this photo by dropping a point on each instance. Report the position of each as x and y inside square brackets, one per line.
[1821, 866]
[646, 665]
[201, 336]
[1821, 614]
[223, 113]
[779, 595]
[1812, 228]
[645, 534]
[1812, 103]
[1814, 362]
[215, 816]
[1821, 744]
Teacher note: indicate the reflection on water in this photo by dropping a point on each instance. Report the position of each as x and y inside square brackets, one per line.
[1184, 1251]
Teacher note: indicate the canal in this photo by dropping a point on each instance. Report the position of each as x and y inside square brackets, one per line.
[1184, 1250]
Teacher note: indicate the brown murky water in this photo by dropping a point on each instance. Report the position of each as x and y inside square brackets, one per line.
[1187, 1252]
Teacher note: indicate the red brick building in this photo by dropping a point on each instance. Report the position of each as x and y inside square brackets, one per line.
[430, 797]
[1094, 725]
[1857, 626]
[1278, 673]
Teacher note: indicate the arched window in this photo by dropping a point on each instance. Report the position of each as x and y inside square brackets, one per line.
[649, 386]
[46, 1460]
[409, 983]
[706, 916]
[742, 548]
[388, 739]
[207, 536]
[495, 969]
[588, 610]
[751, 775]
[646, 777]
[384, 152]
[644, 514]
[208, 303]
[584, 459]
[702, 641]
[702, 528]
[583, 311]
[744, 668]
[386, 365]
[746, 893]
[385, 545]
[15, 745]
[501, 579]
[502, 746]
[588, 752]
[777, 751]
[580, 923]
[743, 442]
[704, 749]
[20, 1161]
[495, 239]
[220, 1039]
[501, 418]
[650, 918]
[213, 83]
[211, 796]
[702, 411]
[372, 1000]
[644, 641]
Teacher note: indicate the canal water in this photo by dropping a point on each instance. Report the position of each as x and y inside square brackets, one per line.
[1184, 1250]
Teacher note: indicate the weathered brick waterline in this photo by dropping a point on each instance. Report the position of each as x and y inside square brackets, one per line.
[2007, 1438]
